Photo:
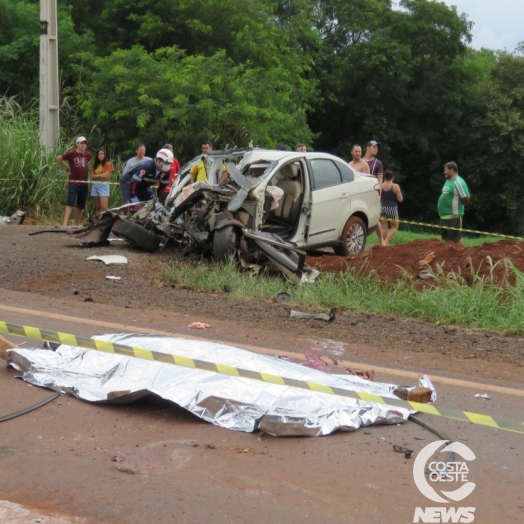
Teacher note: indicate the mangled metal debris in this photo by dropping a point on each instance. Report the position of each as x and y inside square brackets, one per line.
[274, 206]
[212, 390]
[313, 316]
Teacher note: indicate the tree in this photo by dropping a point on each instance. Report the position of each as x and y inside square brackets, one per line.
[494, 148]
[20, 42]
[168, 96]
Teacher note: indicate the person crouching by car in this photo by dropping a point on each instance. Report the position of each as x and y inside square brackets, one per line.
[138, 180]
[163, 191]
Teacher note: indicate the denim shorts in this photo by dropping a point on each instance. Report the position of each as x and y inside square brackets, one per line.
[77, 193]
[99, 189]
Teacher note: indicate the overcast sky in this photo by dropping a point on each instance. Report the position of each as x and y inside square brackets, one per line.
[498, 24]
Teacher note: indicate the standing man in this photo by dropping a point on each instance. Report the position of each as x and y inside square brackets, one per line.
[375, 165]
[377, 170]
[140, 156]
[301, 148]
[76, 162]
[455, 194]
[199, 172]
[138, 180]
[358, 164]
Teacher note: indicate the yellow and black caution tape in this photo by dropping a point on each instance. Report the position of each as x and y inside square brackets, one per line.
[67, 180]
[147, 354]
[438, 226]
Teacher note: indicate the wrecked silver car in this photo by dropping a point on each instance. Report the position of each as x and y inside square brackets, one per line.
[274, 205]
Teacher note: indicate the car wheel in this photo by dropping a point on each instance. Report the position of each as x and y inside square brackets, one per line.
[136, 235]
[353, 238]
[226, 243]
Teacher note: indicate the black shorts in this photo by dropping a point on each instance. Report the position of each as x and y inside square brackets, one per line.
[77, 193]
[451, 234]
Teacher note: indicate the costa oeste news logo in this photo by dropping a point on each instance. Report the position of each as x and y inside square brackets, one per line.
[438, 474]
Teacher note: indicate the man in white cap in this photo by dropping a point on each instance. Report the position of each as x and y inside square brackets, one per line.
[76, 162]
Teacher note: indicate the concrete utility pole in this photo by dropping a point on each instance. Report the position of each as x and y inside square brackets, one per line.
[49, 94]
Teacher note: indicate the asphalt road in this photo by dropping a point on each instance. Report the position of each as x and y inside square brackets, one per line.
[57, 464]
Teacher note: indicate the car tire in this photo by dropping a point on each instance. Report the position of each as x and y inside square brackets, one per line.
[136, 235]
[353, 240]
[226, 243]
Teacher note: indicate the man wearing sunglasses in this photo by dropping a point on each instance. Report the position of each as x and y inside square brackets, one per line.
[137, 181]
[76, 162]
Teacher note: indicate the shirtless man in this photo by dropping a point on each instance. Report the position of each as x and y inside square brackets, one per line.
[376, 169]
[358, 164]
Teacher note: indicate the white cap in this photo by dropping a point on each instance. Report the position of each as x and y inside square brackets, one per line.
[81, 139]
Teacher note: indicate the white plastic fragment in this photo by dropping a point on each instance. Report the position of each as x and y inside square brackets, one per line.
[109, 259]
[484, 396]
[111, 277]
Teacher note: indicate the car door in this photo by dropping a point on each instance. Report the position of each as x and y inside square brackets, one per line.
[330, 199]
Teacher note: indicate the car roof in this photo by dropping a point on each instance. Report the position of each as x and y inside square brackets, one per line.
[273, 155]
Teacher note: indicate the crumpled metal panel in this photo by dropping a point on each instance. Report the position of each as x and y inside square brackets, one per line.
[228, 401]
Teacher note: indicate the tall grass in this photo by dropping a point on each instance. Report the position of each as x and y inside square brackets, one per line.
[30, 177]
[28, 173]
[449, 300]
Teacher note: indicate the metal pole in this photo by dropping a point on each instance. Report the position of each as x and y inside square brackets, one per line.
[49, 93]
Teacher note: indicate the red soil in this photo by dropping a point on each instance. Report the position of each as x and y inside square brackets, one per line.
[392, 262]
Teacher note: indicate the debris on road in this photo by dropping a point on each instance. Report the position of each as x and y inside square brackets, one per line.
[401, 449]
[199, 325]
[318, 363]
[419, 394]
[109, 259]
[17, 219]
[313, 316]
[230, 387]
[483, 396]
[112, 277]
[283, 297]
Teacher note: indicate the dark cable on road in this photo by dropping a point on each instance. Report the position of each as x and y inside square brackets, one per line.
[31, 408]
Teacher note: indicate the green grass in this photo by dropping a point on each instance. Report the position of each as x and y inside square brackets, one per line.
[402, 236]
[450, 300]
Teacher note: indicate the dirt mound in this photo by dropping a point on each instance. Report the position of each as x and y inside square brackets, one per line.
[394, 261]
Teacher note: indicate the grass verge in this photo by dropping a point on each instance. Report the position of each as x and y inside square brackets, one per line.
[448, 300]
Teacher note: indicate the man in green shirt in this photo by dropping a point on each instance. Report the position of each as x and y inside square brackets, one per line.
[455, 194]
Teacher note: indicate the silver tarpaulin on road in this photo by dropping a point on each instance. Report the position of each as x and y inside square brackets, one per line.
[231, 402]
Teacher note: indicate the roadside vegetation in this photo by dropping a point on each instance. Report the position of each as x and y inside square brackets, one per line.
[30, 177]
[449, 300]
[321, 72]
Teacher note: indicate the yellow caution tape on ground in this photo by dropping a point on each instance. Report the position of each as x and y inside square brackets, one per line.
[435, 226]
[186, 362]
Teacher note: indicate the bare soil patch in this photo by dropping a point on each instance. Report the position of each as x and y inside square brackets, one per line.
[393, 262]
